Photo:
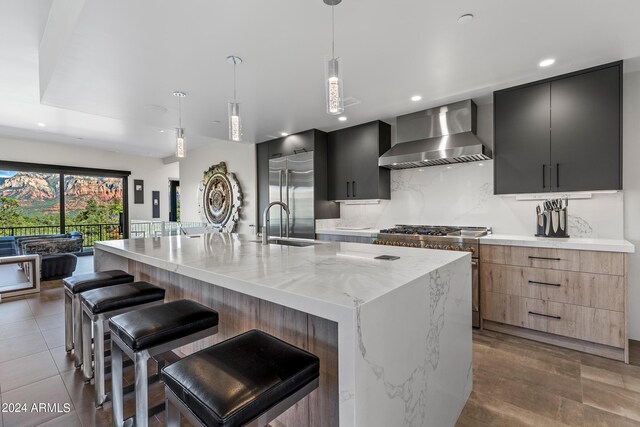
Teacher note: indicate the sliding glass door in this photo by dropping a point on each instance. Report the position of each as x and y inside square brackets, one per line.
[93, 206]
[46, 199]
[29, 203]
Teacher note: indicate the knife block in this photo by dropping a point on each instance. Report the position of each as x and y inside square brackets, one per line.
[550, 219]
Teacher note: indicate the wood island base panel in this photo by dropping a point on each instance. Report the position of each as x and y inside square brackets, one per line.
[393, 337]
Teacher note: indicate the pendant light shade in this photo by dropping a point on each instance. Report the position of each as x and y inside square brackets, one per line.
[335, 103]
[235, 125]
[181, 149]
[235, 122]
[333, 76]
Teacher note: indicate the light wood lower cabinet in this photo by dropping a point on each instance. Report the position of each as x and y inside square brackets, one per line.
[580, 297]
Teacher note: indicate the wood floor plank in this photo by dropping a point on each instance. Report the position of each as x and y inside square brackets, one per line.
[616, 400]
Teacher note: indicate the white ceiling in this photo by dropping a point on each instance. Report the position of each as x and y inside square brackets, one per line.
[100, 70]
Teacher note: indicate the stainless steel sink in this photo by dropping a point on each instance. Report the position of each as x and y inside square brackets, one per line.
[284, 242]
[298, 243]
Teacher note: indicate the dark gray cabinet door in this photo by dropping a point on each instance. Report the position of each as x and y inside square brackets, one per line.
[364, 166]
[585, 131]
[339, 155]
[522, 140]
[292, 144]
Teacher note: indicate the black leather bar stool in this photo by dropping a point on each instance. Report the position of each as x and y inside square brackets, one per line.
[146, 333]
[98, 306]
[75, 285]
[248, 380]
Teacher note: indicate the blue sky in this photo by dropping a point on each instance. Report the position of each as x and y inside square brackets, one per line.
[6, 174]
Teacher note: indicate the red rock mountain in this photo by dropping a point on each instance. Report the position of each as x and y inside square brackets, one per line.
[39, 191]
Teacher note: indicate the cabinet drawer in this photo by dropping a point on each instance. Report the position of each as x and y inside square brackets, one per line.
[586, 323]
[574, 321]
[555, 259]
[514, 310]
[585, 289]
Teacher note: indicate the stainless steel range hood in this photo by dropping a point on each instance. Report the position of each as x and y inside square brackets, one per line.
[438, 136]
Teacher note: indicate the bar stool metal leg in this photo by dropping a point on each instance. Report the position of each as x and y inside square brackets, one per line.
[77, 332]
[87, 368]
[68, 321]
[172, 413]
[142, 391]
[116, 385]
[98, 356]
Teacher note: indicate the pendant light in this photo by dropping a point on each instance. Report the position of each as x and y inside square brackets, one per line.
[181, 151]
[333, 76]
[235, 124]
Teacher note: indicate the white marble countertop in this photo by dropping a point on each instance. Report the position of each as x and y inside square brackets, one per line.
[366, 232]
[334, 273]
[578, 243]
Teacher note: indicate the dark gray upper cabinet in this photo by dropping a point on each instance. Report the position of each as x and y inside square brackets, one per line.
[560, 134]
[353, 155]
[292, 144]
[522, 140]
[585, 131]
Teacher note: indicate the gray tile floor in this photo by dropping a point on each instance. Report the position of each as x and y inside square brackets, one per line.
[35, 368]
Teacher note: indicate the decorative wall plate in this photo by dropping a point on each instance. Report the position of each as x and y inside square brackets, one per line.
[219, 198]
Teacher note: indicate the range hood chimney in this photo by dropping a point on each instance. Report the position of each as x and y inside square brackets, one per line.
[437, 136]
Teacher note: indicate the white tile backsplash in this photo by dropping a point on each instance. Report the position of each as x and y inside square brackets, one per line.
[463, 195]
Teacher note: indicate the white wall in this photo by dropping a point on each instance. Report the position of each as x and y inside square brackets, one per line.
[152, 170]
[240, 159]
[631, 135]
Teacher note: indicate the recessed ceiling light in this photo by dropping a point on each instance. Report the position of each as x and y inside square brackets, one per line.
[284, 134]
[161, 130]
[480, 164]
[416, 98]
[342, 118]
[547, 62]
[448, 167]
[40, 124]
[467, 17]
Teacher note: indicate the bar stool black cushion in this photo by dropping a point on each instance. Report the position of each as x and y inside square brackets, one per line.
[89, 281]
[152, 326]
[111, 298]
[231, 383]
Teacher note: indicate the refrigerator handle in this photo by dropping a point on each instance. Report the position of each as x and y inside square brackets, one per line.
[286, 183]
[280, 187]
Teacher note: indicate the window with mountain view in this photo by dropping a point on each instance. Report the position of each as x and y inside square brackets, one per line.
[30, 203]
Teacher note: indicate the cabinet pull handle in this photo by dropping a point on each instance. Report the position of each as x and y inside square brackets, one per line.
[276, 155]
[543, 178]
[533, 282]
[557, 175]
[545, 258]
[545, 315]
[300, 150]
[353, 185]
[347, 188]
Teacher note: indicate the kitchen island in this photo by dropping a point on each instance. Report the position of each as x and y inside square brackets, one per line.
[393, 337]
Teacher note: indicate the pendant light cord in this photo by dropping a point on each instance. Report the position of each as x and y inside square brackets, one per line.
[333, 31]
[180, 112]
[234, 81]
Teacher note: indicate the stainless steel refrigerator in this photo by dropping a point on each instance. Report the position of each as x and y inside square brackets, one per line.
[291, 182]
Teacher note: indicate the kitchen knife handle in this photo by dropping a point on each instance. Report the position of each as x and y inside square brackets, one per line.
[347, 188]
[545, 315]
[353, 186]
[533, 282]
[545, 258]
